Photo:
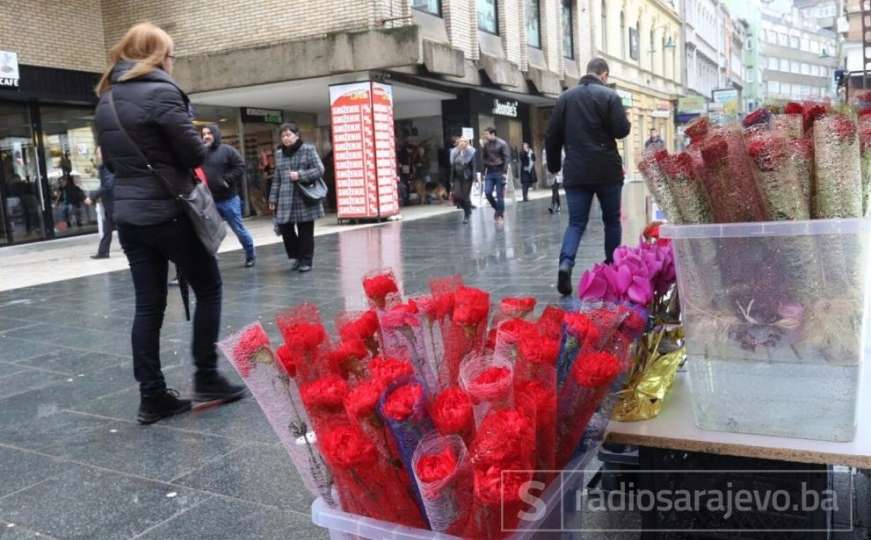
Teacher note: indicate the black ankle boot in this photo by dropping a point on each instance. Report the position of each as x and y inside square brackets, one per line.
[209, 385]
[167, 403]
[564, 280]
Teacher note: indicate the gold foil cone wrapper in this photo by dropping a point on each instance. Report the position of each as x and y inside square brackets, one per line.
[652, 376]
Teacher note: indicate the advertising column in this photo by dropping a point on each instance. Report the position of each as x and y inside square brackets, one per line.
[364, 150]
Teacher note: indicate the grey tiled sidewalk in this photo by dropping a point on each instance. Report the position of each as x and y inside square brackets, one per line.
[73, 461]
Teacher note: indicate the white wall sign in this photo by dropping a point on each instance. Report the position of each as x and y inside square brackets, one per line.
[9, 76]
[469, 134]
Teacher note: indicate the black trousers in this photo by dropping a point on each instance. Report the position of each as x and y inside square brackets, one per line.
[299, 240]
[465, 194]
[149, 250]
[106, 239]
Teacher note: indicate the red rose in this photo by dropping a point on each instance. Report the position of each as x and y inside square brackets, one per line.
[550, 324]
[542, 397]
[679, 165]
[660, 156]
[767, 151]
[513, 330]
[517, 307]
[537, 350]
[844, 128]
[715, 150]
[287, 360]
[363, 398]
[581, 327]
[596, 369]
[363, 327]
[812, 112]
[379, 286]
[793, 108]
[471, 306]
[302, 336]
[401, 402]
[345, 446]
[504, 437]
[698, 128]
[388, 370]
[493, 375]
[452, 413]
[437, 466]
[345, 359]
[327, 392]
[759, 116]
[494, 487]
[252, 341]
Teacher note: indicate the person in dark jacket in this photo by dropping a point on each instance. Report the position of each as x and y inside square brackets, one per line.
[152, 227]
[528, 176]
[496, 159]
[294, 218]
[106, 196]
[71, 197]
[224, 170]
[462, 175]
[587, 121]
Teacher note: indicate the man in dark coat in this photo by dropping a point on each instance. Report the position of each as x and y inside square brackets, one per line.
[587, 121]
[106, 196]
[224, 170]
[496, 158]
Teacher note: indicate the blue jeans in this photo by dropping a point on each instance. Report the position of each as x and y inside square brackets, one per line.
[495, 180]
[579, 201]
[231, 211]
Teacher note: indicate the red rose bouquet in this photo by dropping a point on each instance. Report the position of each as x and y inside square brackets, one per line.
[780, 183]
[838, 168]
[378, 285]
[443, 473]
[683, 174]
[452, 413]
[729, 179]
[402, 332]
[468, 328]
[362, 325]
[651, 167]
[305, 338]
[537, 401]
[509, 333]
[489, 382]
[550, 322]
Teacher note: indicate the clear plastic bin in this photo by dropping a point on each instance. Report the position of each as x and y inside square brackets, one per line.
[775, 317]
[561, 493]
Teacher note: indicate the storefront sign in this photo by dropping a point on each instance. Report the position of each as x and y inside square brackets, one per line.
[364, 150]
[505, 108]
[262, 116]
[691, 105]
[626, 97]
[728, 98]
[9, 75]
[661, 114]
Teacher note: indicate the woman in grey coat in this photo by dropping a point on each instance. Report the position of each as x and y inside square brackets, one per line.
[294, 216]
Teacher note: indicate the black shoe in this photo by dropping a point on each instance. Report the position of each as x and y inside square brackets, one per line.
[212, 386]
[303, 268]
[550, 210]
[465, 221]
[250, 262]
[296, 264]
[163, 405]
[98, 256]
[564, 280]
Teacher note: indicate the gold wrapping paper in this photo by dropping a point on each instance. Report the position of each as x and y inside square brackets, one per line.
[652, 375]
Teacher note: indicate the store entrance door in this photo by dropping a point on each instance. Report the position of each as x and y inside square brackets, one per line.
[21, 190]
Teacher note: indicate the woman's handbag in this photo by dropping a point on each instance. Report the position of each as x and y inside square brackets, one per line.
[313, 192]
[198, 205]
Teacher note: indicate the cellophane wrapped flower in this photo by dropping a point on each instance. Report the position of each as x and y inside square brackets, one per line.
[651, 168]
[403, 409]
[509, 333]
[865, 150]
[378, 285]
[791, 125]
[349, 359]
[779, 182]
[452, 413]
[389, 370]
[249, 351]
[468, 328]
[362, 325]
[579, 329]
[516, 307]
[489, 382]
[729, 179]
[838, 168]
[324, 399]
[683, 173]
[580, 396]
[364, 481]
[361, 406]
[537, 400]
[537, 359]
[439, 316]
[550, 322]
[505, 442]
[403, 335]
[305, 338]
[698, 130]
[443, 472]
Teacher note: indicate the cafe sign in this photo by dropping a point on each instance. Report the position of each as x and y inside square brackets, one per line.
[264, 116]
[9, 75]
[505, 108]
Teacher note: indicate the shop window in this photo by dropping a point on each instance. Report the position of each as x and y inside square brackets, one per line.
[71, 167]
[21, 191]
[533, 23]
[568, 29]
[433, 7]
[488, 16]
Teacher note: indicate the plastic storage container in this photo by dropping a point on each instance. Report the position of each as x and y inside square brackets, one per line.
[775, 317]
[561, 494]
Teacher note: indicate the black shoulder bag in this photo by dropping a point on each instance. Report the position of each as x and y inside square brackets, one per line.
[198, 205]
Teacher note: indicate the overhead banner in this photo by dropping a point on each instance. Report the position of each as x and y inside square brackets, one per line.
[364, 150]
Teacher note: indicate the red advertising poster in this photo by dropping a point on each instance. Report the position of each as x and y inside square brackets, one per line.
[364, 150]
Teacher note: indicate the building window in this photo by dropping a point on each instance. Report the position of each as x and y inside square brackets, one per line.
[604, 30]
[795, 67]
[568, 29]
[635, 42]
[488, 16]
[433, 7]
[784, 65]
[805, 69]
[664, 41]
[773, 63]
[773, 87]
[622, 35]
[782, 40]
[652, 52]
[533, 23]
[794, 42]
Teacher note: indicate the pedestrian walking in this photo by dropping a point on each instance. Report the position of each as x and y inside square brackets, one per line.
[496, 158]
[556, 181]
[462, 175]
[586, 121]
[71, 197]
[106, 196]
[155, 119]
[528, 176]
[296, 163]
[224, 170]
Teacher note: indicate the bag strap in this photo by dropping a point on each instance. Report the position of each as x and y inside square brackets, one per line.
[172, 191]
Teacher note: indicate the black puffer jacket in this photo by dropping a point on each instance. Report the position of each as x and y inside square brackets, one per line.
[156, 114]
[587, 120]
[224, 167]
